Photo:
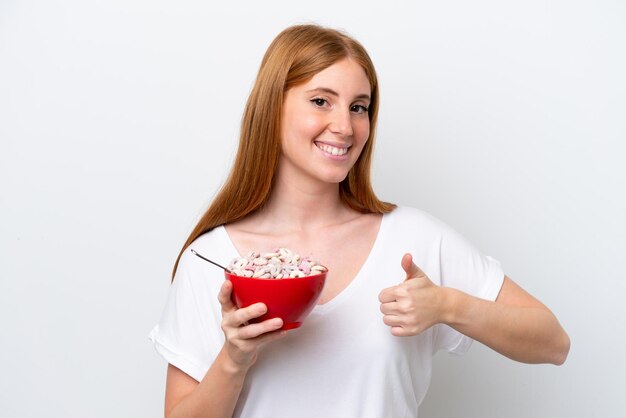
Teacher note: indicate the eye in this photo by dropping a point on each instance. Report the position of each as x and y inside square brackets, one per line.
[319, 102]
[359, 109]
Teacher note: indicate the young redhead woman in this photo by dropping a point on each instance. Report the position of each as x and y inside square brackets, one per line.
[301, 180]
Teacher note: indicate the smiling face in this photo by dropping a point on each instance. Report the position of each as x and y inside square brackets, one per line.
[325, 124]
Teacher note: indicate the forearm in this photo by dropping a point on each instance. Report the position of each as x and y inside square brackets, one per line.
[215, 396]
[529, 334]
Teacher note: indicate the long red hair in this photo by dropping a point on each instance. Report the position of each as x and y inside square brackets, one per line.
[294, 57]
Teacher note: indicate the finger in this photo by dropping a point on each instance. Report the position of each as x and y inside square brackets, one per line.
[388, 295]
[392, 320]
[224, 296]
[261, 328]
[399, 332]
[243, 315]
[389, 308]
[411, 270]
[270, 336]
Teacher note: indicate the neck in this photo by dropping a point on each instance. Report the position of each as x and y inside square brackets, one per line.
[303, 206]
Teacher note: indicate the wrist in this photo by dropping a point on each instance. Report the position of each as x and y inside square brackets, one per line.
[452, 306]
[230, 366]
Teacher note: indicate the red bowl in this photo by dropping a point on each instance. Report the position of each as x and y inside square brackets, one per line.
[291, 299]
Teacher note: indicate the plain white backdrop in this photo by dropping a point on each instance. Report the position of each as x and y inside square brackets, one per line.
[119, 120]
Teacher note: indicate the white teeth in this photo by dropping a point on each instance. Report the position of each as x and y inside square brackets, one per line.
[332, 150]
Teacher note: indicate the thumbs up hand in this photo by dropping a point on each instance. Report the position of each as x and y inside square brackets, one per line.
[412, 271]
[414, 305]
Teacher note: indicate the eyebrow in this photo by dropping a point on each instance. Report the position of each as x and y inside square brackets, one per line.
[334, 93]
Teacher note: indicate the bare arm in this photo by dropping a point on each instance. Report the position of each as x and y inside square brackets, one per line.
[216, 395]
[516, 325]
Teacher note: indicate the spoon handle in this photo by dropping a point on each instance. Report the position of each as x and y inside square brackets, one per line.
[212, 262]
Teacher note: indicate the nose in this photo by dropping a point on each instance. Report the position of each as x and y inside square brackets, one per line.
[341, 122]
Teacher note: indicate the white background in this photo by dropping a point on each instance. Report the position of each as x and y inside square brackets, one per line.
[119, 120]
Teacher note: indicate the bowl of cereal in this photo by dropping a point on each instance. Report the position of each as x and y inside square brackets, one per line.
[288, 284]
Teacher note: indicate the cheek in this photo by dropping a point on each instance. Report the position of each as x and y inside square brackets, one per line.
[294, 128]
[362, 130]
[310, 126]
[297, 131]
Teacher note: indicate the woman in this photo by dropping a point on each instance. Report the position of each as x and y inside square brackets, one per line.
[301, 180]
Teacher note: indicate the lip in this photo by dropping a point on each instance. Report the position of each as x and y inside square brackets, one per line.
[336, 145]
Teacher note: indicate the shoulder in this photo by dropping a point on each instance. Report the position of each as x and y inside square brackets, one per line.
[211, 245]
[415, 225]
[208, 240]
[412, 219]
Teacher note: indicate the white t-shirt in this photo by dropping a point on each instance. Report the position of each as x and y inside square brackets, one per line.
[343, 362]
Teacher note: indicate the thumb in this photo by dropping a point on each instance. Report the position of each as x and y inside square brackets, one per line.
[412, 271]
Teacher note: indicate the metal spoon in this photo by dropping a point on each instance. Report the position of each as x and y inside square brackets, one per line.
[212, 262]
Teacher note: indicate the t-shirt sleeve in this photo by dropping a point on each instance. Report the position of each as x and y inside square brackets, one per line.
[188, 335]
[465, 268]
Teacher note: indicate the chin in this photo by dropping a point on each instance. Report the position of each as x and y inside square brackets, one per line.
[333, 174]
[335, 178]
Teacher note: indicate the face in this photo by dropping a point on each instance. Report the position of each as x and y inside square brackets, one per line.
[325, 124]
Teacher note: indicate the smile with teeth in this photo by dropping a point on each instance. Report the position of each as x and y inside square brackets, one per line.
[331, 149]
